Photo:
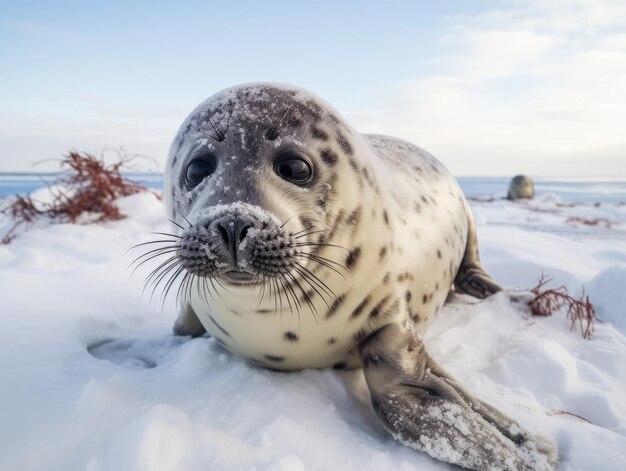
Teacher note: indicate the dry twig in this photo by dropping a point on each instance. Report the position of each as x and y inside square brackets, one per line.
[578, 311]
[90, 186]
[564, 412]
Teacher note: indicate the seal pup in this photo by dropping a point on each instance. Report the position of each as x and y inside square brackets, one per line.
[304, 244]
[521, 187]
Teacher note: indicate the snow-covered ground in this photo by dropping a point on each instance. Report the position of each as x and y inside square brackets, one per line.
[91, 377]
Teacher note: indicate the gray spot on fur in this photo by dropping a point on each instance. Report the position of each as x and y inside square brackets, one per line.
[359, 308]
[335, 305]
[353, 257]
[329, 157]
[275, 358]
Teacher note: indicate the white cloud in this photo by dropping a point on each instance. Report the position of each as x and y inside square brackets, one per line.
[538, 87]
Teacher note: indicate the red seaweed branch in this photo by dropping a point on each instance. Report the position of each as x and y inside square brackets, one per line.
[89, 186]
[548, 301]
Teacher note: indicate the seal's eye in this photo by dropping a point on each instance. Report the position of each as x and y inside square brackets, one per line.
[198, 169]
[294, 169]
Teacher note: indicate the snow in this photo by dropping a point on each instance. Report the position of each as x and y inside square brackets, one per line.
[92, 378]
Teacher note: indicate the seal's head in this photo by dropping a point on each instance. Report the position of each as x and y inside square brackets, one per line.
[252, 178]
[521, 187]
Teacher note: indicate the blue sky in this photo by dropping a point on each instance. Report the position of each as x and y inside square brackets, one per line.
[489, 87]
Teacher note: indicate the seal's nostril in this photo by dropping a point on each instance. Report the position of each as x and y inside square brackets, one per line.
[223, 233]
[243, 233]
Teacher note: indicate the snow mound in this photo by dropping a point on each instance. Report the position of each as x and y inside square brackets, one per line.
[611, 302]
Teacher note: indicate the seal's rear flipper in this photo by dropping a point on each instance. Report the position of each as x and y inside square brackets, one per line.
[472, 278]
[425, 408]
[187, 322]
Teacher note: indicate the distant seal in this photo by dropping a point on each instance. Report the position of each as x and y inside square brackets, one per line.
[521, 187]
[304, 244]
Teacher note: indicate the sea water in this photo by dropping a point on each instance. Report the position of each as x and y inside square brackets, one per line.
[568, 190]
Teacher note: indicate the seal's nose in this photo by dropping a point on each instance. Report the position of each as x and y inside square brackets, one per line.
[233, 231]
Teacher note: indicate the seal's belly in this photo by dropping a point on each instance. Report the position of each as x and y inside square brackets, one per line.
[280, 339]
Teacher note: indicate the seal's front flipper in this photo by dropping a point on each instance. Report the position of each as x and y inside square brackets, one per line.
[472, 278]
[475, 281]
[187, 322]
[425, 408]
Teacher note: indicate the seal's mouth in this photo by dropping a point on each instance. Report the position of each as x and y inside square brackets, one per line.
[239, 276]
